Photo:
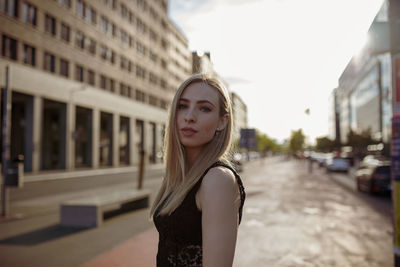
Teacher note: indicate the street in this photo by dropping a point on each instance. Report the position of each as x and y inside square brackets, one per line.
[291, 218]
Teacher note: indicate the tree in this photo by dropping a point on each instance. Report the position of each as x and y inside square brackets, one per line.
[266, 144]
[296, 141]
[324, 144]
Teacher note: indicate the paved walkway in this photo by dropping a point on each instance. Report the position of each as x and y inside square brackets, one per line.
[139, 251]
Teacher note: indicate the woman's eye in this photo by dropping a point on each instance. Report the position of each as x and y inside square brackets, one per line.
[205, 109]
[182, 106]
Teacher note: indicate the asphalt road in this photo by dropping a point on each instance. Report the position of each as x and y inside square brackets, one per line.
[296, 218]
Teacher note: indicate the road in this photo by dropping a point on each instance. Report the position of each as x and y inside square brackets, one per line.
[291, 218]
[294, 218]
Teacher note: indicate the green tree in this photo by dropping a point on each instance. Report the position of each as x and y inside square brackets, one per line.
[324, 144]
[296, 141]
[360, 141]
[266, 144]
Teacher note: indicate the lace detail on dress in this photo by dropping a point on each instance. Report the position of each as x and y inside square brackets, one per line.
[190, 256]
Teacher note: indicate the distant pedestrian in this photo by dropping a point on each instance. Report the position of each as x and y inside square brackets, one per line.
[198, 208]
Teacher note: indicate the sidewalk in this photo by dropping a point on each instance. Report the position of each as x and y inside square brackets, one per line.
[139, 251]
[32, 235]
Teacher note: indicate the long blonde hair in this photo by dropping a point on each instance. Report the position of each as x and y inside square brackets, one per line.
[179, 179]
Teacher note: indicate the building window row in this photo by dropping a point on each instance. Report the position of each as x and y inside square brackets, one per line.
[10, 48]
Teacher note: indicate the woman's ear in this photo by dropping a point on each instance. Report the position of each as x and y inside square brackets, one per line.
[223, 122]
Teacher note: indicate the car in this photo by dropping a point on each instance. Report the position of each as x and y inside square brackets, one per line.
[337, 164]
[374, 177]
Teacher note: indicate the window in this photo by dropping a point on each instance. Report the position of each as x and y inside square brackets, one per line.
[124, 12]
[9, 47]
[80, 8]
[10, 7]
[140, 26]
[153, 100]
[112, 58]
[125, 90]
[163, 84]
[66, 3]
[110, 3]
[140, 96]
[141, 49]
[103, 52]
[50, 24]
[90, 15]
[65, 32]
[79, 73]
[163, 64]
[153, 78]
[140, 72]
[153, 35]
[91, 45]
[64, 67]
[29, 55]
[90, 77]
[103, 24]
[80, 40]
[125, 38]
[49, 62]
[103, 82]
[107, 26]
[153, 57]
[125, 64]
[112, 87]
[29, 13]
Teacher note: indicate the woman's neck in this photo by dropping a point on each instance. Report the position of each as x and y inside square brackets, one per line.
[191, 156]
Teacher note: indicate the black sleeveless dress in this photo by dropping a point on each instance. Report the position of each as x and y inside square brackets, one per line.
[180, 234]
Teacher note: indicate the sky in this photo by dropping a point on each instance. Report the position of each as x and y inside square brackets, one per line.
[280, 56]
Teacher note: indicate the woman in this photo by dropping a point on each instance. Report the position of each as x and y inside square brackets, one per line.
[199, 206]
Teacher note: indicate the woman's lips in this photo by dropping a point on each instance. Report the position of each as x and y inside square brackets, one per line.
[187, 132]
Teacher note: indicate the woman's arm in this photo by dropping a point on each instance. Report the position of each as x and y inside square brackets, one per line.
[218, 199]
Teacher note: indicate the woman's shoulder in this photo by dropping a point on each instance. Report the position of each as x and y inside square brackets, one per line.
[219, 178]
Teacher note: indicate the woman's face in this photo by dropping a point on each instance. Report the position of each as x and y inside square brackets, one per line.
[197, 115]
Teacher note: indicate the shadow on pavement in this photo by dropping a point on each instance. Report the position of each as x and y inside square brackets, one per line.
[40, 236]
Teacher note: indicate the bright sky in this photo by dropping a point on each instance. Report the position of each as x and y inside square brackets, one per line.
[280, 56]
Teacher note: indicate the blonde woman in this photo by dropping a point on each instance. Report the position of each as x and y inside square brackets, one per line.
[199, 206]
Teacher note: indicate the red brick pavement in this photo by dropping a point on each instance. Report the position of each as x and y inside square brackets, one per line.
[139, 251]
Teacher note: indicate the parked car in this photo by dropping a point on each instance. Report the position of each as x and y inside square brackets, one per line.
[374, 177]
[337, 164]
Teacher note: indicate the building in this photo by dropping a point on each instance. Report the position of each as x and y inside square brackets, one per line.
[334, 120]
[364, 91]
[239, 109]
[201, 63]
[90, 81]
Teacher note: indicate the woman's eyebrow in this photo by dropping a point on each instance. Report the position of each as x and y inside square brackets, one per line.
[199, 102]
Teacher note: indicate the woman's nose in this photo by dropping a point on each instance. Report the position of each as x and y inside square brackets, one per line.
[190, 116]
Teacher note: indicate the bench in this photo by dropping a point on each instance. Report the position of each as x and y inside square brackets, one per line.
[90, 211]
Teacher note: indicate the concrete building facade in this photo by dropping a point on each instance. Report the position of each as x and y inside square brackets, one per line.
[90, 81]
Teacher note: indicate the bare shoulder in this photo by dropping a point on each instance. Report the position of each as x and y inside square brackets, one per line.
[220, 179]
